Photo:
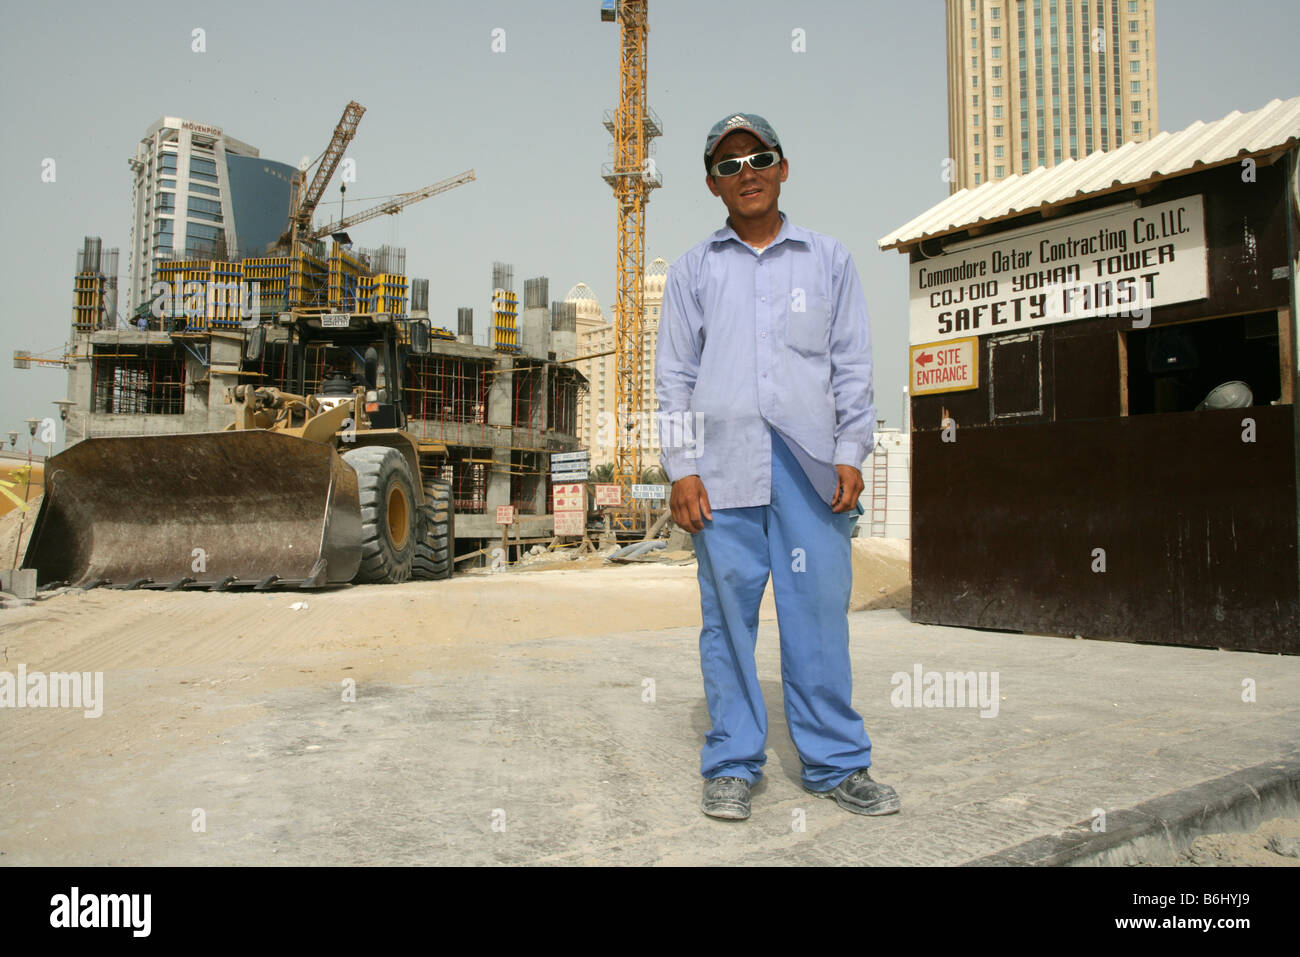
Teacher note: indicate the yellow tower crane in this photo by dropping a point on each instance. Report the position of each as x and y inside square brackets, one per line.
[303, 203]
[632, 175]
[393, 206]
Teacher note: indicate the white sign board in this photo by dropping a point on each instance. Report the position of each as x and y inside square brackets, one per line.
[505, 514]
[579, 456]
[609, 495]
[647, 491]
[1123, 261]
[569, 476]
[335, 321]
[570, 523]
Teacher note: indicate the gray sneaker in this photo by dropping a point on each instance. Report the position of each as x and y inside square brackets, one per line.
[727, 798]
[861, 795]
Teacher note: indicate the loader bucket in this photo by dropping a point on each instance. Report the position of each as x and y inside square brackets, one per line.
[216, 509]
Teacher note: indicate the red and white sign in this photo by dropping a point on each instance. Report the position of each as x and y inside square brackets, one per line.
[951, 366]
[505, 514]
[570, 523]
[609, 495]
[569, 497]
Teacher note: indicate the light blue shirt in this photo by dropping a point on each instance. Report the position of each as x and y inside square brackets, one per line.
[750, 339]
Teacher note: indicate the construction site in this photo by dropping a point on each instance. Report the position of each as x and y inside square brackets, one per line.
[330, 561]
[486, 418]
[306, 318]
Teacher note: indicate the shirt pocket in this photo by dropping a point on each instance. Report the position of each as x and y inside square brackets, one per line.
[808, 331]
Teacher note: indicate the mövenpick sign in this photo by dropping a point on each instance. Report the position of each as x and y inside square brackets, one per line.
[1123, 262]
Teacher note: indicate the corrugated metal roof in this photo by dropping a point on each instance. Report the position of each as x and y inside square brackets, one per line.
[1167, 155]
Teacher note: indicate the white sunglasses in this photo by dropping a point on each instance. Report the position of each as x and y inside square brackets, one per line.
[730, 167]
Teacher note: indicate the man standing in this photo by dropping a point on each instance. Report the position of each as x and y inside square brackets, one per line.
[763, 375]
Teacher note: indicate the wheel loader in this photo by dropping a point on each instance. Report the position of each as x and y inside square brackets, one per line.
[299, 491]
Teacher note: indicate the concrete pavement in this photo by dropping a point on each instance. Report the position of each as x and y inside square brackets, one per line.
[584, 750]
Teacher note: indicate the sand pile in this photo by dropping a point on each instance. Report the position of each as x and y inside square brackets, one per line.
[9, 527]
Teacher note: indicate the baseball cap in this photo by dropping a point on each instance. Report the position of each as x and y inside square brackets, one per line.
[750, 122]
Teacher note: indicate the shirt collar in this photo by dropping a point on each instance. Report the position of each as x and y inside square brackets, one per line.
[788, 231]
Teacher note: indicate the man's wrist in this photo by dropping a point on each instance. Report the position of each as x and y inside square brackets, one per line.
[848, 452]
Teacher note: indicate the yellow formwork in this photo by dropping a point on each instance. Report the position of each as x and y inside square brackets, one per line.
[87, 296]
[505, 327]
[345, 270]
[383, 292]
[207, 294]
[308, 279]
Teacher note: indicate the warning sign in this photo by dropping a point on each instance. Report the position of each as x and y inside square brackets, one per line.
[570, 523]
[571, 497]
[951, 366]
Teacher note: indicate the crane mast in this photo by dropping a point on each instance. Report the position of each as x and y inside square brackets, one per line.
[303, 204]
[632, 175]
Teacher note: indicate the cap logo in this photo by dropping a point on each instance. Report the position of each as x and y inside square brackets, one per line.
[737, 120]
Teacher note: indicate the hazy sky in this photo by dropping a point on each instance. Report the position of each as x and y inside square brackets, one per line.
[861, 113]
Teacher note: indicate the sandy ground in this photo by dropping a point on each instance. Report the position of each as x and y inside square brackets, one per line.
[210, 691]
[1274, 843]
[164, 655]
[11, 524]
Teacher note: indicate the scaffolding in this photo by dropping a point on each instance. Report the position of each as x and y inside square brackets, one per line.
[525, 479]
[469, 477]
[526, 395]
[447, 389]
[138, 380]
[272, 368]
[563, 394]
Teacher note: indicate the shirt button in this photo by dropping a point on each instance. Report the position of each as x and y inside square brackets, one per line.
[763, 299]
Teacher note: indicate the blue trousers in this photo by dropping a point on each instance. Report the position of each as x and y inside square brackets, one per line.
[806, 549]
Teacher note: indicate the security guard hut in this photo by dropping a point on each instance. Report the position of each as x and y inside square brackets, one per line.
[1103, 380]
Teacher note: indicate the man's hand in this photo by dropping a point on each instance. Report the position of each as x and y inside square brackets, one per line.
[846, 493]
[690, 503]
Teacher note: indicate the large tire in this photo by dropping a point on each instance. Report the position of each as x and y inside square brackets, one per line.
[434, 546]
[388, 514]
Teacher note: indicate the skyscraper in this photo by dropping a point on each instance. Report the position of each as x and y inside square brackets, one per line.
[1034, 82]
[596, 417]
[200, 194]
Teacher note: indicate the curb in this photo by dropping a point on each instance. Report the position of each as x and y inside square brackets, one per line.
[1157, 831]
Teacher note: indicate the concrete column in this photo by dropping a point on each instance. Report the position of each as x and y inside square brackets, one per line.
[80, 372]
[498, 414]
[223, 353]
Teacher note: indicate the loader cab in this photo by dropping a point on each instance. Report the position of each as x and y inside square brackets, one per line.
[373, 340]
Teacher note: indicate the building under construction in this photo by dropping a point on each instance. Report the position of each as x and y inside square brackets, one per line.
[500, 408]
